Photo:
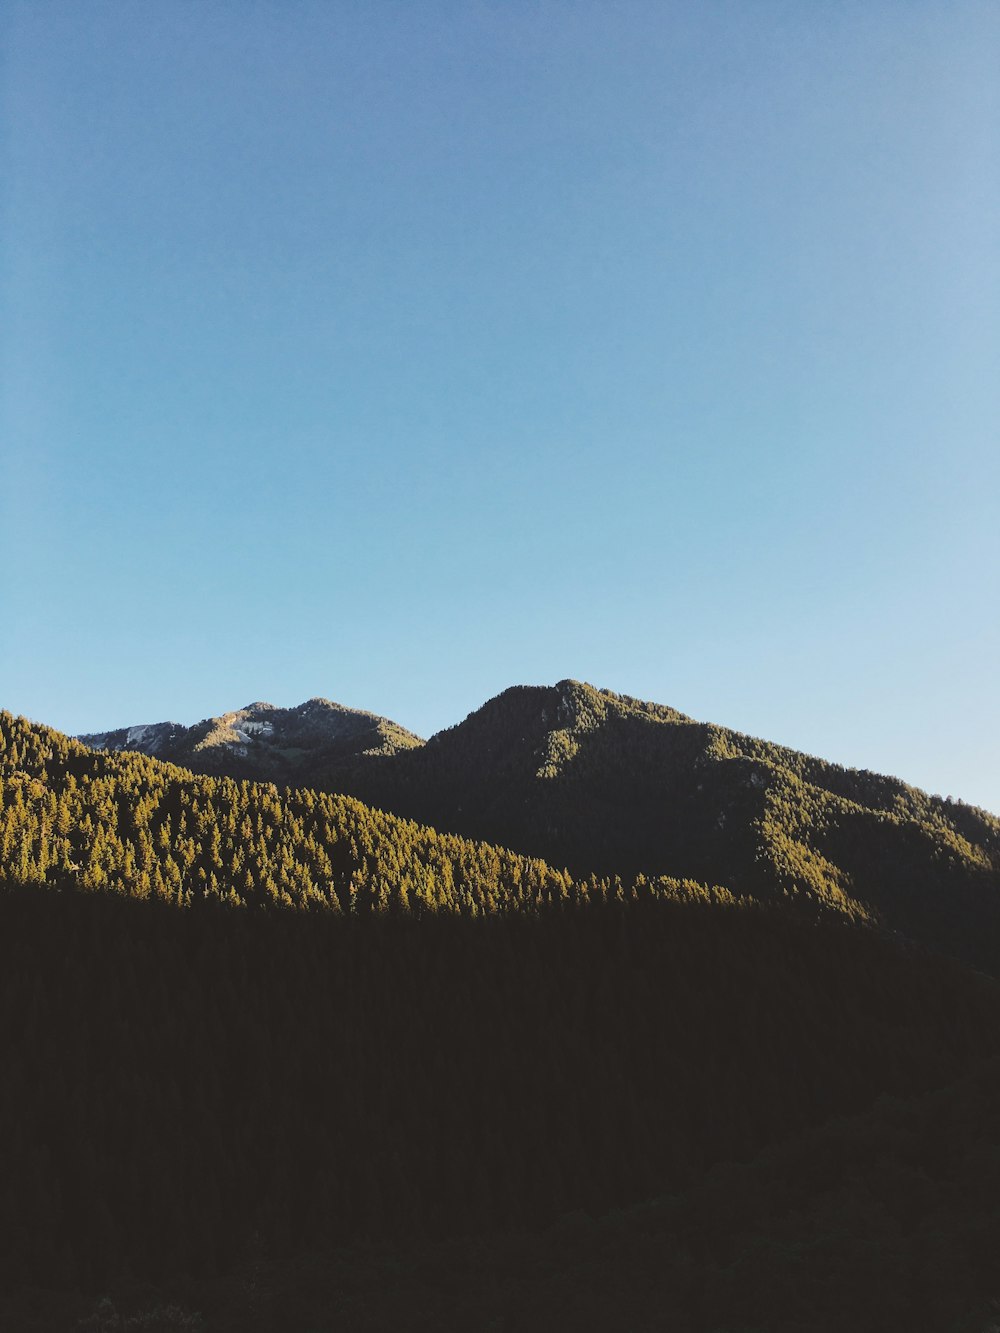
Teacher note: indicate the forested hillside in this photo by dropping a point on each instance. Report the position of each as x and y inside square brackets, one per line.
[611, 786]
[603, 783]
[145, 829]
[241, 1023]
[182, 1087]
[873, 1223]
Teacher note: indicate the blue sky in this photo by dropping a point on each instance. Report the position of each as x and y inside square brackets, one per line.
[399, 353]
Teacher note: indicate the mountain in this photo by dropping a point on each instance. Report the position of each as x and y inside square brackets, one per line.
[119, 821]
[303, 1025]
[293, 1020]
[605, 784]
[317, 743]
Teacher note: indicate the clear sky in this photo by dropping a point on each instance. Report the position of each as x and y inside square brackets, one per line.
[401, 352]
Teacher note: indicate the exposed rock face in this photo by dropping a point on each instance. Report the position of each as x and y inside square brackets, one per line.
[154, 738]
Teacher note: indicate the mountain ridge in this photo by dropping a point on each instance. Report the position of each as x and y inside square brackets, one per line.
[311, 743]
[603, 783]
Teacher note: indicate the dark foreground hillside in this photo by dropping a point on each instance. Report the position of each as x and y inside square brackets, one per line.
[185, 1091]
[876, 1223]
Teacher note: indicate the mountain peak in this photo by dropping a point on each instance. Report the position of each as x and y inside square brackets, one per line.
[317, 742]
[318, 704]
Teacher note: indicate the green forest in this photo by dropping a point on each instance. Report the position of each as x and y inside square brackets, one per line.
[277, 1058]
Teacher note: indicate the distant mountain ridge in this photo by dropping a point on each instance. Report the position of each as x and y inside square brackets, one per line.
[314, 744]
[604, 783]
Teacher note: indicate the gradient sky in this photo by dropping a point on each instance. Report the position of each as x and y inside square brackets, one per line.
[399, 353]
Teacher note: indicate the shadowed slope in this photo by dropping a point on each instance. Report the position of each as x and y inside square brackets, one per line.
[601, 782]
[177, 1082]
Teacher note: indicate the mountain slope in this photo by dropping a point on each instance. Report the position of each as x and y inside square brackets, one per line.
[605, 784]
[316, 743]
[139, 827]
[601, 782]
